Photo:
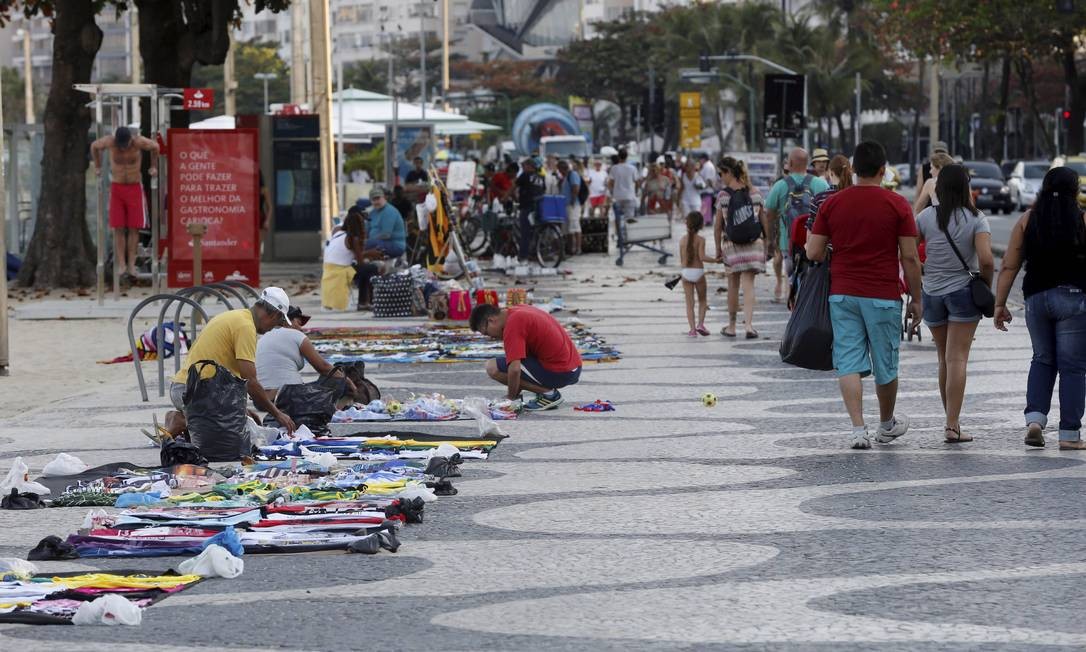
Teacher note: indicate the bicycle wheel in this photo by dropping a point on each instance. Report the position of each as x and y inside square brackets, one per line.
[473, 235]
[549, 245]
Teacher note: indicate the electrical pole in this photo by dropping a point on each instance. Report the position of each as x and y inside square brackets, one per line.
[28, 73]
[4, 362]
[297, 54]
[321, 58]
[422, 59]
[229, 83]
[445, 51]
[933, 104]
[652, 113]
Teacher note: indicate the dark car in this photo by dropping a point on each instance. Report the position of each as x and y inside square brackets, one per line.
[990, 191]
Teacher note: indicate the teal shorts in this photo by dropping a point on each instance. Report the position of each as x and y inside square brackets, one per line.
[866, 336]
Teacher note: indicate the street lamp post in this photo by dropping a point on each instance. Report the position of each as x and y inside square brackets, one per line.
[266, 77]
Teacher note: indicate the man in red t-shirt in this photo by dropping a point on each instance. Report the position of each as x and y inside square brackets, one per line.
[868, 229]
[501, 184]
[539, 354]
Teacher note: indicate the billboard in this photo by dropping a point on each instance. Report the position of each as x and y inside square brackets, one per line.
[412, 139]
[214, 180]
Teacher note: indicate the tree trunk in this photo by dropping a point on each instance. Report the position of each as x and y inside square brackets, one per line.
[176, 35]
[1004, 102]
[622, 120]
[1025, 75]
[61, 252]
[983, 135]
[1077, 108]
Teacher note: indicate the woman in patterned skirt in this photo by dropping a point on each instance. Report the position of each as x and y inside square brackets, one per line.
[742, 261]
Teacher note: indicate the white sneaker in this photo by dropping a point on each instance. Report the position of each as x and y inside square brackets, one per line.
[861, 442]
[885, 436]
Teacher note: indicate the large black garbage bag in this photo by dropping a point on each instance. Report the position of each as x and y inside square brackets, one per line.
[309, 404]
[808, 337]
[215, 412]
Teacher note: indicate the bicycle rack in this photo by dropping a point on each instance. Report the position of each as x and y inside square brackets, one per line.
[245, 287]
[167, 299]
[197, 293]
[232, 289]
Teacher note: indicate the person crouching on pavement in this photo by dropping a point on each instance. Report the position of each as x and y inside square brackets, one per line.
[539, 355]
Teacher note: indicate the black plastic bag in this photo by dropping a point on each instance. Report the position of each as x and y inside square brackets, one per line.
[175, 451]
[309, 404]
[808, 337]
[17, 500]
[365, 390]
[215, 412]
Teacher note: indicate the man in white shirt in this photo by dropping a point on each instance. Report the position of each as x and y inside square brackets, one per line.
[597, 188]
[622, 180]
[708, 173]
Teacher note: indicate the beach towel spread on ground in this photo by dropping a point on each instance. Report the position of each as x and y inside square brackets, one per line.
[55, 598]
[433, 343]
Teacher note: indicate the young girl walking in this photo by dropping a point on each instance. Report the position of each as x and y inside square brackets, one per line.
[692, 256]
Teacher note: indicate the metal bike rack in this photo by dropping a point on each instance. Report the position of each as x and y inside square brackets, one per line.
[197, 293]
[245, 287]
[167, 299]
[232, 290]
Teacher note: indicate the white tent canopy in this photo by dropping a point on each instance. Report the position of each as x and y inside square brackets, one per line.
[367, 106]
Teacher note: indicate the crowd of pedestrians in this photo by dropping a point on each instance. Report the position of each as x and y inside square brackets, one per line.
[932, 260]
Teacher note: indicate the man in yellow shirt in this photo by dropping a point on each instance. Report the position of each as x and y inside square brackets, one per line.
[230, 340]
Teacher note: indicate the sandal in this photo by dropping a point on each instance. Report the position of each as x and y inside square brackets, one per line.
[957, 438]
[725, 333]
[702, 330]
[752, 335]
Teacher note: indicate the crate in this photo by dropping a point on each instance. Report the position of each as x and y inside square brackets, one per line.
[593, 225]
[594, 243]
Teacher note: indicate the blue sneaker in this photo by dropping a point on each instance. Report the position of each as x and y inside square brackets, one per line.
[544, 402]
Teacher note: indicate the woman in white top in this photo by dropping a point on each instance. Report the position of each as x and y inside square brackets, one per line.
[344, 247]
[691, 185]
[281, 353]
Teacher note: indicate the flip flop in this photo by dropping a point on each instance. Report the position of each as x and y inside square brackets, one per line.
[725, 333]
[958, 437]
[752, 335]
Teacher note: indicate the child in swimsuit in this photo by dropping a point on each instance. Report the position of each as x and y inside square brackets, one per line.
[692, 255]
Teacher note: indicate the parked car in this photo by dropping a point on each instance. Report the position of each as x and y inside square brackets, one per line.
[989, 189]
[1078, 164]
[1025, 182]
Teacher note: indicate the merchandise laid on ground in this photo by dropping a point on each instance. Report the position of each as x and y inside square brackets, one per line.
[432, 407]
[297, 496]
[433, 343]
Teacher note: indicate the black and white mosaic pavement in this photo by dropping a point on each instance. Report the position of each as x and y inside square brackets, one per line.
[664, 525]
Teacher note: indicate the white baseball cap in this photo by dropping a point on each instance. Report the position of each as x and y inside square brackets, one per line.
[276, 298]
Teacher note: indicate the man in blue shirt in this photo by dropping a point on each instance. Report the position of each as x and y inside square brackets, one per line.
[788, 200]
[386, 236]
[570, 184]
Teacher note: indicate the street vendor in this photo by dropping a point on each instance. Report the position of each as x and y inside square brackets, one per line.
[539, 355]
[229, 340]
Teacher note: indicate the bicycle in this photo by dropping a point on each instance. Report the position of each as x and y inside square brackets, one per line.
[547, 244]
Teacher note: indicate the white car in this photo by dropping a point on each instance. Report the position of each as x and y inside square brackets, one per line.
[1025, 182]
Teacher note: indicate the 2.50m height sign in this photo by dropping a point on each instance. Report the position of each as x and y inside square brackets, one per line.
[214, 180]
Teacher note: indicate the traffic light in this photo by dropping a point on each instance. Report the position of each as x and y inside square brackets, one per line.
[654, 122]
[703, 62]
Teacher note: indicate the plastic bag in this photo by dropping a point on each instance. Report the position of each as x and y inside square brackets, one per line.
[312, 404]
[324, 460]
[12, 569]
[808, 338]
[262, 436]
[214, 561]
[417, 491]
[64, 464]
[478, 409]
[137, 499]
[17, 478]
[215, 411]
[110, 609]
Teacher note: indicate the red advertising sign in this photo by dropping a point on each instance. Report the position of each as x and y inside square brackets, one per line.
[198, 99]
[214, 180]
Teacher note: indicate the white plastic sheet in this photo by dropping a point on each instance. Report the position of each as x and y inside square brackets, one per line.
[17, 478]
[478, 409]
[64, 464]
[214, 561]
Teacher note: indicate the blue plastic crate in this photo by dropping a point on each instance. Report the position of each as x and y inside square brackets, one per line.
[552, 209]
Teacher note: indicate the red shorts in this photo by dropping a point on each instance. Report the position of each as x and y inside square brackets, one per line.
[126, 209]
[596, 201]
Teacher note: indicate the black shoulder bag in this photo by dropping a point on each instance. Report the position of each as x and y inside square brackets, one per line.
[983, 298]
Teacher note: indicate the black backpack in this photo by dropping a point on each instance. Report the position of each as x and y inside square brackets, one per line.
[582, 191]
[741, 224]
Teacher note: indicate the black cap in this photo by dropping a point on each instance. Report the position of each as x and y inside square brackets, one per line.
[294, 312]
[122, 137]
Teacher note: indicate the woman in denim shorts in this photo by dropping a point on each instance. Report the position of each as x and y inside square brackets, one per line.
[949, 310]
[1051, 239]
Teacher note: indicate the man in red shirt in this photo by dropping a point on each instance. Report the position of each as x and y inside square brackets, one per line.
[868, 229]
[539, 354]
[501, 184]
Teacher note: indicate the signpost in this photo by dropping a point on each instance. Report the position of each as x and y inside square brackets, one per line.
[198, 99]
[690, 120]
[214, 182]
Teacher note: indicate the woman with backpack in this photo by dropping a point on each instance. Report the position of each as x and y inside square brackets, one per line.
[738, 229]
[958, 240]
[1051, 239]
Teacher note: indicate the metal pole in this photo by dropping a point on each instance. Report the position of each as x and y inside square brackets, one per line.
[4, 353]
[856, 127]
[339, 140]
[933, 104]
[652, 114]
[422, 60]
[445, 51]
[229, 85]
[28, 74]
[297, 53]
[156, 227]
[117, 121]
[265, 95]
[100, 269]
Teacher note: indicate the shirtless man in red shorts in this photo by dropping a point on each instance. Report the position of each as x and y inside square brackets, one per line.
[127, 213]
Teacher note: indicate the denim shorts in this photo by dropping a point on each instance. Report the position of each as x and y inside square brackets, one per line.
[533, 369]
[866, 336]
[957, 307]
